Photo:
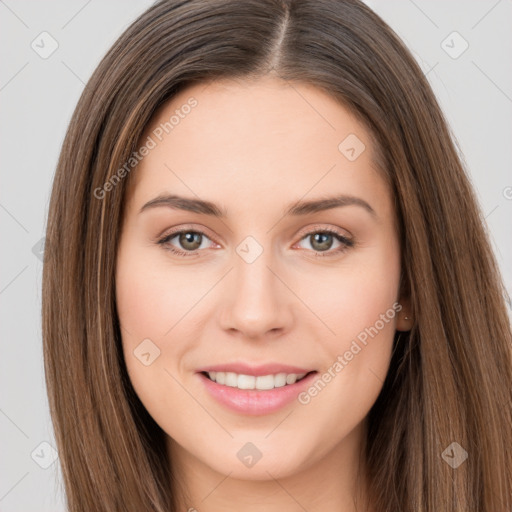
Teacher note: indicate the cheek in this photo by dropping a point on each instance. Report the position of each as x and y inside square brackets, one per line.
[159, 303]
[145, 313]
[365, 286]
[141, 304]
[361, 310]
[151, 299]
[148, 307]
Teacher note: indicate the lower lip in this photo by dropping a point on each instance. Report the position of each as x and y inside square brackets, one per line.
[253, 401]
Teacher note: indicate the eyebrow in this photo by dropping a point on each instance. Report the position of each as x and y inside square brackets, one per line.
[296, 209]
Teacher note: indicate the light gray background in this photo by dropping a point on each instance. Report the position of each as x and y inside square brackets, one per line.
[39, 95]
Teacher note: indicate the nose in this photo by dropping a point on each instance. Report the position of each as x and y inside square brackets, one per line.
[257, 302]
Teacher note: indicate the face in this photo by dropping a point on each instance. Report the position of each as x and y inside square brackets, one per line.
[257, 277]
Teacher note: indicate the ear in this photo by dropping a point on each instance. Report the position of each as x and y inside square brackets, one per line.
[404, 320]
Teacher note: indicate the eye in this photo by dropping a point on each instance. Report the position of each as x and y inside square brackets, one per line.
[188, 239]
[321, 241]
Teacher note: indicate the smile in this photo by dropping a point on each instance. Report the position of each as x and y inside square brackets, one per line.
[254, 395]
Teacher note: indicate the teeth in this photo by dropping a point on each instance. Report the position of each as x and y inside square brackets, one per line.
[231, 379]
[245, 382]
[291, 378]
[280, 380]
[262, 382]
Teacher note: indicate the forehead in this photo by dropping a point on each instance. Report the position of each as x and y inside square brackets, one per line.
[254, 137]
[247, 111]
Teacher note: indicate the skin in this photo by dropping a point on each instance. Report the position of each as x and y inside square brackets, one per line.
[253, 148]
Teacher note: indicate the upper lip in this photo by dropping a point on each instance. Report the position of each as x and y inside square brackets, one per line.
[255, 370]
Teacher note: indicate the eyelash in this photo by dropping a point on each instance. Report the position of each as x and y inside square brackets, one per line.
[346, 242]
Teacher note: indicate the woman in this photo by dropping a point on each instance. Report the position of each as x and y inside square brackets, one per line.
[270, 276]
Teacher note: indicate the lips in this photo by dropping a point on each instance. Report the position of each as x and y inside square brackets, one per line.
[255, 390]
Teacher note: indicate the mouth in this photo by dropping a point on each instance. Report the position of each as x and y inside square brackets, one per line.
[250, 394]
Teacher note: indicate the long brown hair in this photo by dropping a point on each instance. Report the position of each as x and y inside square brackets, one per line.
[450, 376]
